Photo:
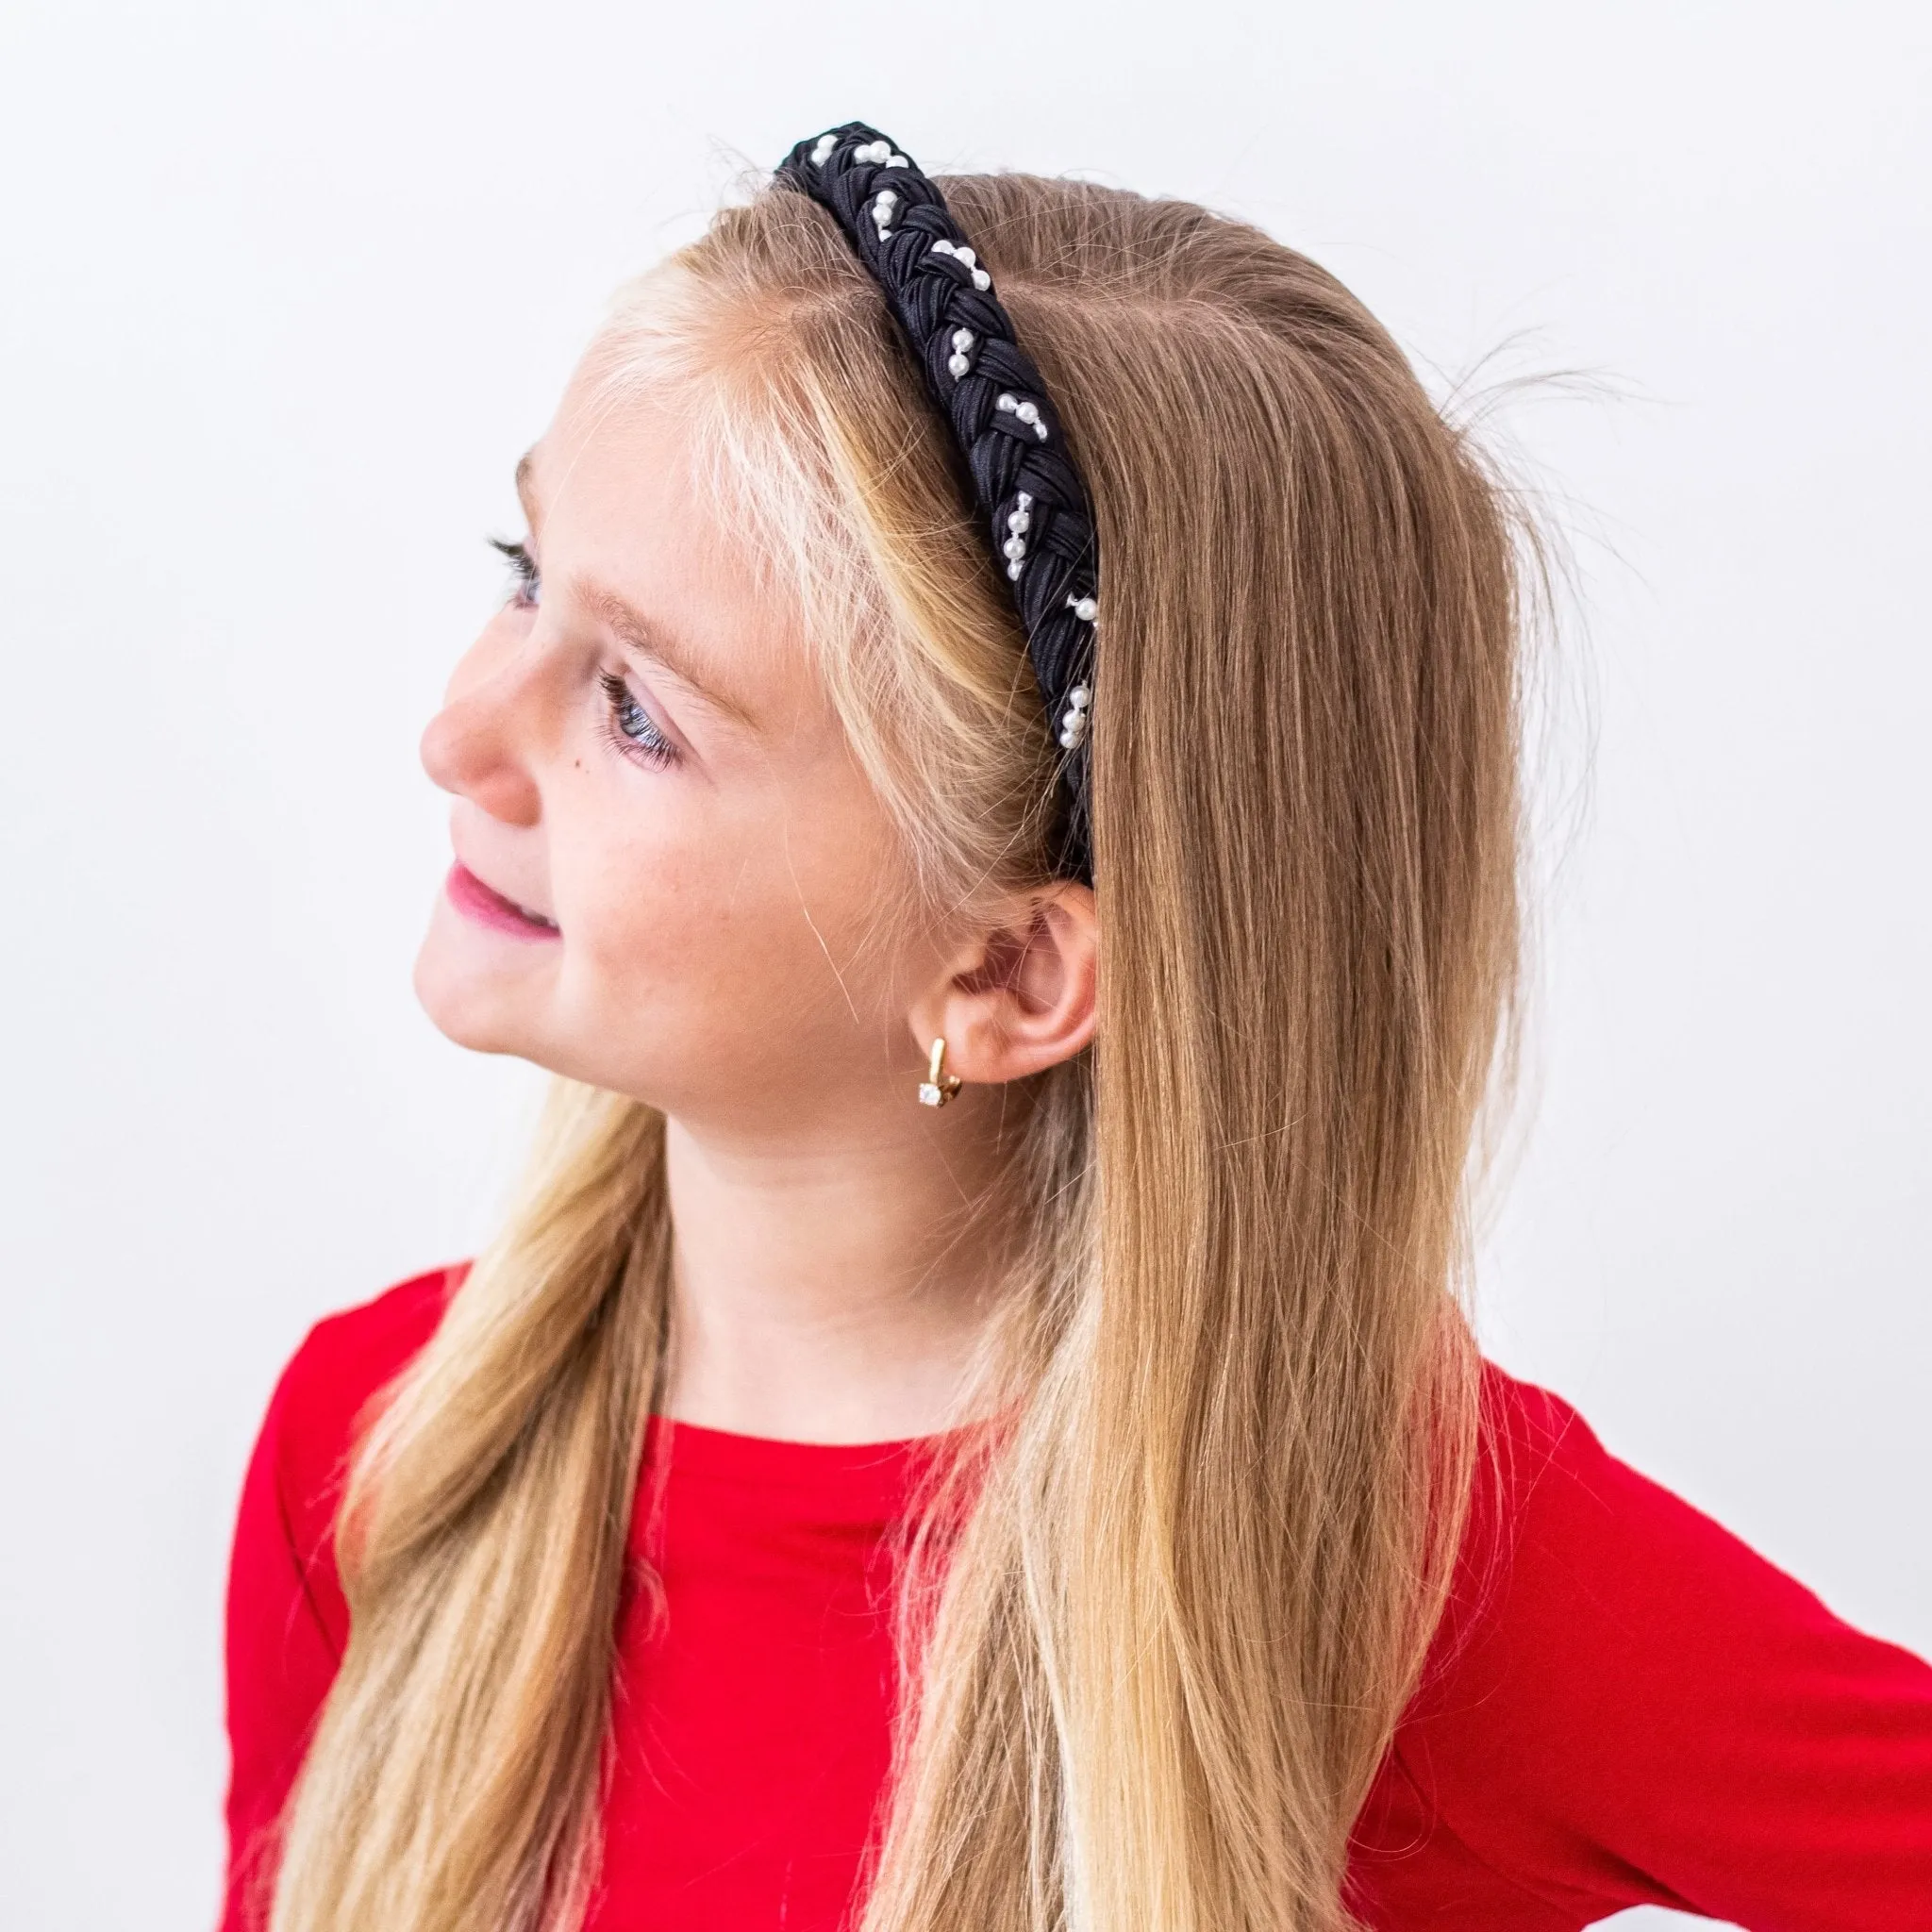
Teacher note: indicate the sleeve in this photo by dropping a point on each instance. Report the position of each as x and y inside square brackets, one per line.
[1645, 1711]
[286, 1620]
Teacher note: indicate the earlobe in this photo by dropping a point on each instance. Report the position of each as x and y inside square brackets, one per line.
[1021, 997]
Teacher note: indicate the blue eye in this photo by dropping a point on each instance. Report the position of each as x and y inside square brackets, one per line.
[526, 583]
[629, 727]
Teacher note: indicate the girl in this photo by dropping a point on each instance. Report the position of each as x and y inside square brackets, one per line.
[995, 792]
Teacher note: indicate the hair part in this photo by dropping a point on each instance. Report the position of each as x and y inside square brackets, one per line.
[1157, 1637]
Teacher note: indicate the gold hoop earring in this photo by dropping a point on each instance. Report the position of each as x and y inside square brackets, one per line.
[939, 1086]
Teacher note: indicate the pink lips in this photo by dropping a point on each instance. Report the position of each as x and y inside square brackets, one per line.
[470, 895]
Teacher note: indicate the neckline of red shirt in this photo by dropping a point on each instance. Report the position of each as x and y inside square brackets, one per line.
[871, 1478]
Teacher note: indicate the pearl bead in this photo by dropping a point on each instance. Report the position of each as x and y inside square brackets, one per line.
[1081, 698]
[958, 365]
[1014, 571]
[1015, 547]
[1009, 402]
[944, 247]
[963, 340]
[1067, 741]
[822, 153]
[981, 280]
[1084, 608]
[967, 256]
[1019, 520]
[1027, 413]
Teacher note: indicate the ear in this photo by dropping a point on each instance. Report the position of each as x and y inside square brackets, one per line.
[1018, 998]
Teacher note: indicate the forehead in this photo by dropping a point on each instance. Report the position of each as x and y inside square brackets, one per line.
[617, 506]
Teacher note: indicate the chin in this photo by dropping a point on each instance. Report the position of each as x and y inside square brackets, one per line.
[486, 1012]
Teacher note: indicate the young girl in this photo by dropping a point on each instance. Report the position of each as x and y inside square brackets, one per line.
[995, 792]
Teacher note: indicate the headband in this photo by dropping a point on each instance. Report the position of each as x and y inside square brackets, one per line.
[1025, 488]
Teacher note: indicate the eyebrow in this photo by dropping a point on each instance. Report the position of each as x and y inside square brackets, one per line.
[632, 627]
[645, 634]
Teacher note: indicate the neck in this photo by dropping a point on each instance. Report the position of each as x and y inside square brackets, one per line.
[831, 1289]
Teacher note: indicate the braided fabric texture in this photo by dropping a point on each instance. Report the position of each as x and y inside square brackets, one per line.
[1026, 490]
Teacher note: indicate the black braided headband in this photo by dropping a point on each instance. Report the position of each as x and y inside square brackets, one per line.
[1023, 480]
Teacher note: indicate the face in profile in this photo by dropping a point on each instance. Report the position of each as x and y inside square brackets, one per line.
[669, 870]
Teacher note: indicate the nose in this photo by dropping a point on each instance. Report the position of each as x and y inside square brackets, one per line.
[478, 745]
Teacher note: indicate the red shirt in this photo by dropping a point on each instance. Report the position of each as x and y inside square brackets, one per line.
[1626, 1707]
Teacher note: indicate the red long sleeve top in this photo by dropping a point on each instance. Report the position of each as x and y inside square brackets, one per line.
[1625, 1705]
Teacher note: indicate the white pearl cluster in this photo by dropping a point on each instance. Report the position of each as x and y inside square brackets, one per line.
[883, 205]
[877, 152]
[1017, 524]
[1028, 413]
[966, 259]
[961, 360]
[1073, 721]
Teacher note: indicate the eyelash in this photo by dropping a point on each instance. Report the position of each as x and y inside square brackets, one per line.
[649, 746]
[528, 580]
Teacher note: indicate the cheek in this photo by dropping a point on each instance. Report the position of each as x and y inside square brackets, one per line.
[652, 919]
[734, 942]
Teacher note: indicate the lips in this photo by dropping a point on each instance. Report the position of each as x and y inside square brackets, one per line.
[488, 907]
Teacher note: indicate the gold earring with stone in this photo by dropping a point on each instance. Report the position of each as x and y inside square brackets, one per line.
[939, 1086]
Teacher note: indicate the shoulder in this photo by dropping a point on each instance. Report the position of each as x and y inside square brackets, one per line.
[1585, 1588]
[322, 1398]
[343, 1363]
[1625, 1704]
[348, 1357]
[1566, 1542]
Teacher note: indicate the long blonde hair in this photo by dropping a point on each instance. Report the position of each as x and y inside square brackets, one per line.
[1151, 1677]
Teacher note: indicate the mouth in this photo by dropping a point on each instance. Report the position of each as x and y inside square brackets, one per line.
[488, 907]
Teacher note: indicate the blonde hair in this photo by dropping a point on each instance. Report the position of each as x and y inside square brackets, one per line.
[1155, 1673]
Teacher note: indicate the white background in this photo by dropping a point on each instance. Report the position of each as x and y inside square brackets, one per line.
[290, 288]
